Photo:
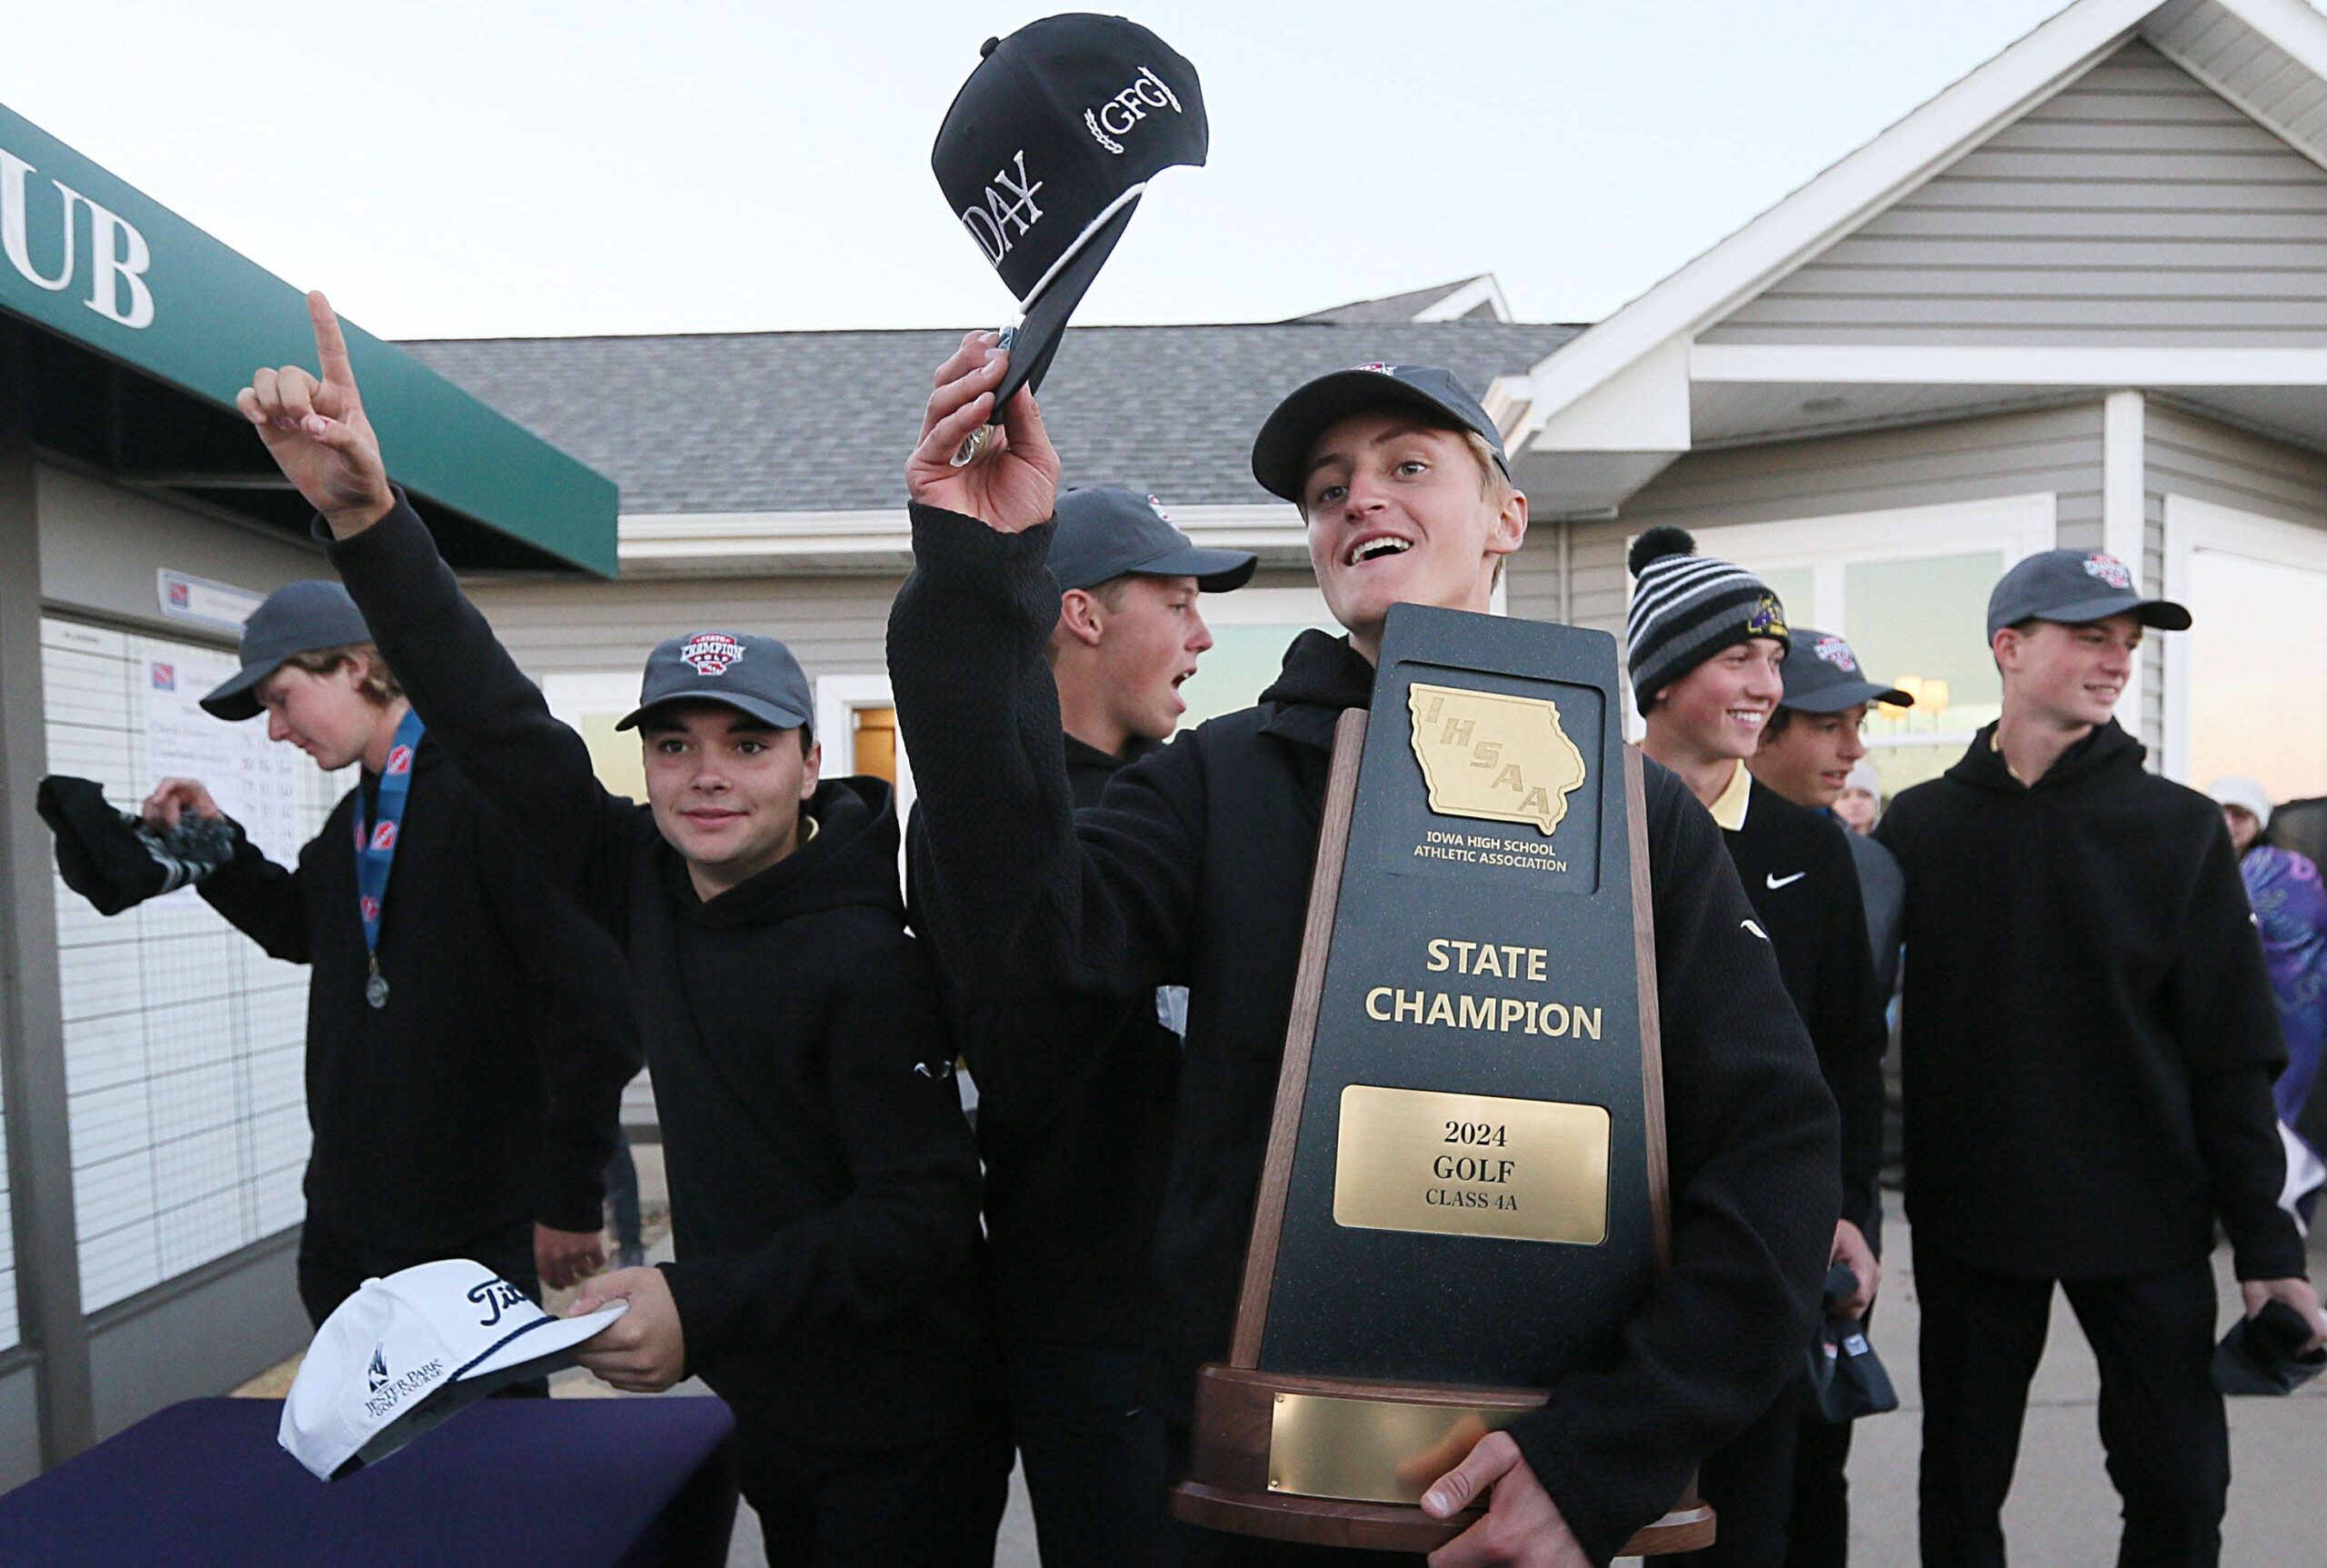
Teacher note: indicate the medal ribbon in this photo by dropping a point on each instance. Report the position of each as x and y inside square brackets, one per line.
[375, 842]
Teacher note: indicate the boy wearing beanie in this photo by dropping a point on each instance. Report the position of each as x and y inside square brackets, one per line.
[1707, 645]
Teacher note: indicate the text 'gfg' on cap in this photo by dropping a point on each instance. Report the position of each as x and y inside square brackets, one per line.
[1044, 152]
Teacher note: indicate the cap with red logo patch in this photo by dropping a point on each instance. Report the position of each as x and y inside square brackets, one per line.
[2074, 587]
[1823, 676]
[754, 675]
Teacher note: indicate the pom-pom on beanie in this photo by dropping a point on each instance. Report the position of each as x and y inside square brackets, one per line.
[1687, 607]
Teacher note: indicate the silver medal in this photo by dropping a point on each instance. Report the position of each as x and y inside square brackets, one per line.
[375, 990]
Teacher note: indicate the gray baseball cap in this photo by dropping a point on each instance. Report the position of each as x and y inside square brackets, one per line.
[1822, 676]
[1105, 533]
[754, 675]
[1281, 451]
[2073, 587]
[298, 618]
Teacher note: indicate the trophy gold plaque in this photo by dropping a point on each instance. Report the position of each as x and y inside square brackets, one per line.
[1465, 1196]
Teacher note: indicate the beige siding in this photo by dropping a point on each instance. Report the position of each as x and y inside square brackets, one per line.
[2134, 207]
[2054, 449]
[836, 626]
[100, 544]
[2189, 454]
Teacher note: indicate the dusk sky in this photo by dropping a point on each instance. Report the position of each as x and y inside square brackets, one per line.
[521, 167]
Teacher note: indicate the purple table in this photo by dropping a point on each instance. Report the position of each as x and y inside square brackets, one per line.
[573, 1481]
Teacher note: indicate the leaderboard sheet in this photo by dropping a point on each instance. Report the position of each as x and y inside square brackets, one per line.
[184, 1044]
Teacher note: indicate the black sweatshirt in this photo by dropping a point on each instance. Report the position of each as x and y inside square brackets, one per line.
[1074, 1121]
[487, 1091]
[824, 1182]
[2090, 1035]
[1194, 869]
[1804, 883]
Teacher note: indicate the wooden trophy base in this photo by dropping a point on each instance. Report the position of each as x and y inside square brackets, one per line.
[1337, 1461]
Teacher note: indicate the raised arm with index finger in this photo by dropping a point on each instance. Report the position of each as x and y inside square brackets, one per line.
[316, 432]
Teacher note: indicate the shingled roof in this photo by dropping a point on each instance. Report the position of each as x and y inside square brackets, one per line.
[822, 421]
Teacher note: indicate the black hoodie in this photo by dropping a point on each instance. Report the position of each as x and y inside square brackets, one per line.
[824, 1182]
[2089, 1033]
[1194, 869]
[1074, 1121]
[1798, 871]
[487, 1091]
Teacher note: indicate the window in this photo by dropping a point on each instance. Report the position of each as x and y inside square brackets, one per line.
[1251, 628]
[1909, 588]
[2243, 688]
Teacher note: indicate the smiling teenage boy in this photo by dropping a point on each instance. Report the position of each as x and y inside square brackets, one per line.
[1706, 642]
[1810, 751]
[1194, 869]
[466, 1056]
[824, 1185]
[1075, 1092]
[1813, 749]
[2090, 1039]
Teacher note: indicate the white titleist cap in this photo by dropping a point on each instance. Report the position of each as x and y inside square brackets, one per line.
[405, 1352]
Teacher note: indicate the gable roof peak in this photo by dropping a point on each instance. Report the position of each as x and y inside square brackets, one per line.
[2242, 49]
[1475, 298]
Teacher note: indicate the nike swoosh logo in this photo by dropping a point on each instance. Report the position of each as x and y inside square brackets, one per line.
[1749, 925]
[1777, 882]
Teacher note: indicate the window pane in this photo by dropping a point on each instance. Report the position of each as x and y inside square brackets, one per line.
[2258, 643]
[1235, 670]
[1795, 591]
[1921, 625]
[614, 755]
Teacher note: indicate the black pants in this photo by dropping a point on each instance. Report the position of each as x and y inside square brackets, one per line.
[1750, 1483]
[934, 1505]
[2161, 1421]
[1095, 1468]
[333, 1265]
[1819, 1535]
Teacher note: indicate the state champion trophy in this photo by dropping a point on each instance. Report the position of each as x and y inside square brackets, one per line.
[1464, 1196]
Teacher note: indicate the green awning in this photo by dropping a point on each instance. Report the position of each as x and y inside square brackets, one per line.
[106, 268]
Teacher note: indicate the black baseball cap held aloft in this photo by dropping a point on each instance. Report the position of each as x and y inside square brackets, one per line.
[2076, 586]
[753, 675]
[1105, 533]
[1823, 676]
[1045, 152]
[298, 618]
[1281, 451]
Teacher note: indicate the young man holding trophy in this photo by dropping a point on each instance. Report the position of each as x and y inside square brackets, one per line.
[1193, 870]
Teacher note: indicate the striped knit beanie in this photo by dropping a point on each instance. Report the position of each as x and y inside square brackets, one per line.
[1687, 607]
